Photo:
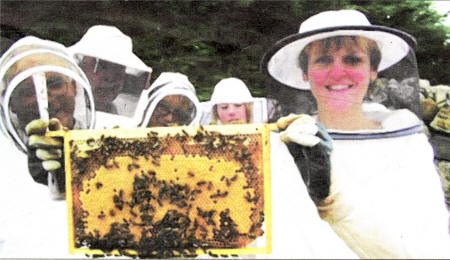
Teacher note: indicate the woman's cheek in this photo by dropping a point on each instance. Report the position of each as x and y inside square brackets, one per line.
[222, 114]
[318, 77]
[357, 76]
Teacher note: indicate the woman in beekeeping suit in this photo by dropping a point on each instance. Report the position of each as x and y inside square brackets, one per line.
[41, 80]
[169, 101]
[117, 76]
[383, 196]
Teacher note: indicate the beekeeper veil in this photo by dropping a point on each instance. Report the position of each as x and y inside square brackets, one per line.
[117, 76]
[40, 79]
[170, 100]
[231, 91]
[397, 84]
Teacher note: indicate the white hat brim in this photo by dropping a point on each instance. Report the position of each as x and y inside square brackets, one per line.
[129, 60]
[281, 62]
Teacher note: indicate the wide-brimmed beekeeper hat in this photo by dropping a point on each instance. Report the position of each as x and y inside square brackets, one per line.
[109, 43]
[281, 62]
[231, 90]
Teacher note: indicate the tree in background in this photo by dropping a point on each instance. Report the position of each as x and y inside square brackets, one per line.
[211, 40]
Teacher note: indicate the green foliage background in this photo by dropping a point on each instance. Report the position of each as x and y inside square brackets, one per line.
[210, 40]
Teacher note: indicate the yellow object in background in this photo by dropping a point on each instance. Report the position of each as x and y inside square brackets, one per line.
[169, 191]
[441, 121]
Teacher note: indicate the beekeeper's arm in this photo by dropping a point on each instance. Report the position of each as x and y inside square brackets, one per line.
[310, 145]
[298, 232]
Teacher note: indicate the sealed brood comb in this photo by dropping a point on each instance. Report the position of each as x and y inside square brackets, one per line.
[167, 192]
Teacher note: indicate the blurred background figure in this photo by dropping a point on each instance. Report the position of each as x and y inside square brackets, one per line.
[170, 101]
[41, 80]
[117, 76]
[232, 103]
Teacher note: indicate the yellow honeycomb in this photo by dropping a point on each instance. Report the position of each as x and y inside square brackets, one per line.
[168, 191]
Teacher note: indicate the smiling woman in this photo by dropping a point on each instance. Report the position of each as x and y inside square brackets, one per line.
[380, 156]
[339, 70]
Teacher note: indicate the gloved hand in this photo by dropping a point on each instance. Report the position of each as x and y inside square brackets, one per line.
[45, 162]
[304, 130]
[48, 149]
[310, 145]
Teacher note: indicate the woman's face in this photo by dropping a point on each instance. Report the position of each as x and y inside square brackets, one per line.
[339, 78]
[230, 113]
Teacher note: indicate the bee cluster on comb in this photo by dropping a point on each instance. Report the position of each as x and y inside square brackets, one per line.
[167, 194]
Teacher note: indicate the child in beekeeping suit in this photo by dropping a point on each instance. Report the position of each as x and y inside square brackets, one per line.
[231, 102]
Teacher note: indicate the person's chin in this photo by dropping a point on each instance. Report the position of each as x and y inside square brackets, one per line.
[163, 124]
[237, 122]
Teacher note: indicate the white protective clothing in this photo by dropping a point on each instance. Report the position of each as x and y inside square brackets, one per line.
[31, 224]
[386, 198]
[231, 90]
[110, 120]
[119, 48]
[297, 230]
[34, 58]
[110, 44]
[167, 84]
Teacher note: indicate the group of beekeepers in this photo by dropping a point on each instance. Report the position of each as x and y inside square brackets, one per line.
[353, 180]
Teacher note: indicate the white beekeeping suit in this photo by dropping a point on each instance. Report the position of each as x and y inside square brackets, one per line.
[399, 189]
[41, 80]
[30, 219]
[117, 76]
[34, 75]
[383, 195]
[298, 232]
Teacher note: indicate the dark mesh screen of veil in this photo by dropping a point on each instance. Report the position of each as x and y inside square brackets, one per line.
[396, 87]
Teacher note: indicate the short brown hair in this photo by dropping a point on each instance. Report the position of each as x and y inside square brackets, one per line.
[340, 41]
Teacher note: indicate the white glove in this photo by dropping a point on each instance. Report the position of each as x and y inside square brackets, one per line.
[302, 131]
